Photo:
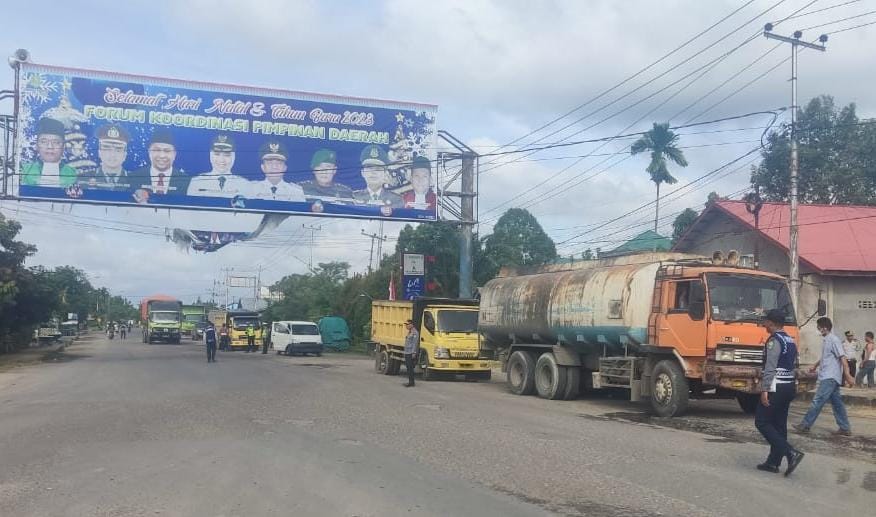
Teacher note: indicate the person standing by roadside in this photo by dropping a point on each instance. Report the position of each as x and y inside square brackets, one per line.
[778, 388]
[412, 351]
[853, 349]
[210, 341]
[250, 338]
[868, 365]
[223, 337]
[833, 369]
[266, 336]
[123, 331]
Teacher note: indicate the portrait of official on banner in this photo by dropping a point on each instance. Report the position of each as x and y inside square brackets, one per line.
[106, 138]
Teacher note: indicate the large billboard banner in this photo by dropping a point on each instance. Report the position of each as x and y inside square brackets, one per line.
[106, 138]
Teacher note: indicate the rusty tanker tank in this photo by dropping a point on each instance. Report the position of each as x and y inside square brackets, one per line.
[666, 326]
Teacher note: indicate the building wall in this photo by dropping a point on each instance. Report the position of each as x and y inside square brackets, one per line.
[854, 305]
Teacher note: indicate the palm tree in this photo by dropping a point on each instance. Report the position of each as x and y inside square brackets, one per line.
[661, 141]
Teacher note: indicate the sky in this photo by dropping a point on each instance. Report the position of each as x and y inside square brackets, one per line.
[524, 73]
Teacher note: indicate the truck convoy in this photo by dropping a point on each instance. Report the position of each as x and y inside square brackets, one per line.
[192, 316]
[448, 337]
[237, 322]
[160, 318]
[665, 326]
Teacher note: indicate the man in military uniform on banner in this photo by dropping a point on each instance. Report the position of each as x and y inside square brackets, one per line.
[374, 162]
[274, 156]
[220, 181]
[112, 149]
[322, 186]
[47, 170]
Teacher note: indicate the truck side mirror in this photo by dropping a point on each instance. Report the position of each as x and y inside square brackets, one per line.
[822, 307]
[697, 310]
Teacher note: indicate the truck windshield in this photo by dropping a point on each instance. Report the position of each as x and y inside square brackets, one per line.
[305, 330]
[197, 318]
[164, 317]
[457, 321]
[747, 297]
[240, 323]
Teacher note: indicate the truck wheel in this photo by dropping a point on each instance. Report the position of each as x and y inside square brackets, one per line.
[394, 366]
[573, 382]
[428, 375]
[381, 362]
[670, 393]
[521, 373]
[550, 378]
[748, 402]
[289, 350]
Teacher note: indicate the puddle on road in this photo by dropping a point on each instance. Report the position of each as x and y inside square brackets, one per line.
[321, 366]
[869, 482]
[62, 357]
[843, 476]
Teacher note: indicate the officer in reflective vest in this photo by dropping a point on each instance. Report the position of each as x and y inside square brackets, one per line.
[778, 388]
[250, 338]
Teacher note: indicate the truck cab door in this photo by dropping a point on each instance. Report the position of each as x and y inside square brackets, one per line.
[682, 323]
[427, 333]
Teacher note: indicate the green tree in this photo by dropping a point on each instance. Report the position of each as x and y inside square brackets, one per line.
[662, 143]
[682, 222]
[517, 240]
[837, 157]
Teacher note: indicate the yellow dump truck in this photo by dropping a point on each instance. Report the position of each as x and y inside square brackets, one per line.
[448, 337]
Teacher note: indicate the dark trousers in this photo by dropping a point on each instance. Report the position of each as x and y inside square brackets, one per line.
[410, 363]
[211, 352]
[264, 346]
[250, 343]
[853, 366]
[772, 422]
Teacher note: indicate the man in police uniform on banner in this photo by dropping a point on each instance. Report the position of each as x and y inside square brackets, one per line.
[112, 149]
[778, 388]
[220, 181]
[322, 186]
[47, 170]
[160, 177]
[273, 187]
[374, 162]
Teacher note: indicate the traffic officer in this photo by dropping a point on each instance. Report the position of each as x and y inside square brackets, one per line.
[210, 341]
[250, 338]
[778, 388]
[412, 351]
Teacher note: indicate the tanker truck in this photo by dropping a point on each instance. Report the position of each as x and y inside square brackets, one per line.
[665, 326]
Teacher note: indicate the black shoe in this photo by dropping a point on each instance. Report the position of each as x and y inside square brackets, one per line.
[766, 467]
[794, 459]
[409, 385]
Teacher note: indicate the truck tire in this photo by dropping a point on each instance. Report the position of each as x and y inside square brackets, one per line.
[670, 392]
[394, 366]
[748, 402]
[423, 363]
[521, 373]
[550, 378]
[381, 362]
[573, 382]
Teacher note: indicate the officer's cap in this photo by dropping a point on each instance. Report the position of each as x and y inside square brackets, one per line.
[323, 156]
[113, 133]
[162, 136]
[222, 143]
[50, 126]
[373, 155]
[273, 150]
[776, 316]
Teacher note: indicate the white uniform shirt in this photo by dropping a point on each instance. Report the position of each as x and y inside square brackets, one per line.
[282, 191]
[215, 184]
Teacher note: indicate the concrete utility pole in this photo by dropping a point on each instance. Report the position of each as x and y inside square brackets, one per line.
[373, 236]
[312, 230]
[795, 42]
[467, 222]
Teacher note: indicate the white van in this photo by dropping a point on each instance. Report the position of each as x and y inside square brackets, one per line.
[296, 337]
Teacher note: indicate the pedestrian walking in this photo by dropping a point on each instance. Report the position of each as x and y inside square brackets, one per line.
[250, 338]
[868, 365]
[223, 337]
[833, 369]
[210, 341]
[778, 388]
[266, 337]
[123, 331]
[412, 351]
[853, 350]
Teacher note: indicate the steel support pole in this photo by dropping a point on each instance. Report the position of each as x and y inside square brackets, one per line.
[466, 226]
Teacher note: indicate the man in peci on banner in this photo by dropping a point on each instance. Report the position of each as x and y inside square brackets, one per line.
[374, 162]
[421, 197]
[112, 149]
[322, 186]
[47, 170]
[274, 156]
[160, 177]
[220, 181]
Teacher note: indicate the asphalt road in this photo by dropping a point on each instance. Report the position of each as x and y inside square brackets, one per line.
[122, 428]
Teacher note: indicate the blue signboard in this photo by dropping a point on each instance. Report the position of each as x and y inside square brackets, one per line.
[107, 138]
[414, 286]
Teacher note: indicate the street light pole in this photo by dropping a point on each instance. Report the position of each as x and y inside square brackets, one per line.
[795, 42]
